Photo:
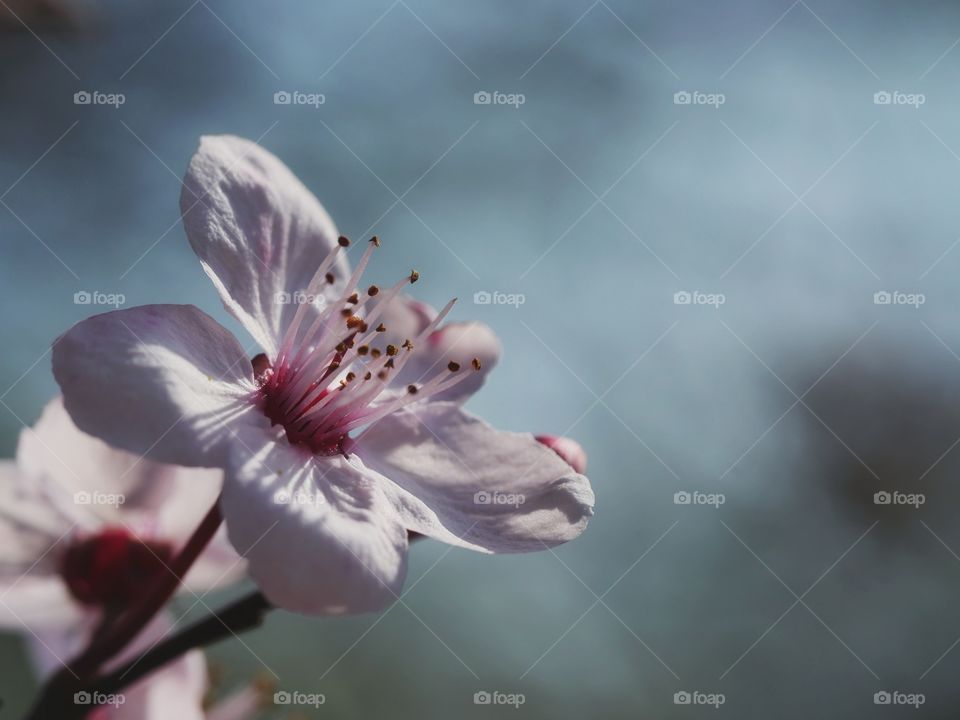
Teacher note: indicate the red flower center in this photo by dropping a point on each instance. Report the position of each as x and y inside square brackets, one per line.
[112, 568]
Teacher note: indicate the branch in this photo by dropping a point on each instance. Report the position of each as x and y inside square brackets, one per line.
[244, 614]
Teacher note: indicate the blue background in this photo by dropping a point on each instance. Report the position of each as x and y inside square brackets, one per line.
[598, 199]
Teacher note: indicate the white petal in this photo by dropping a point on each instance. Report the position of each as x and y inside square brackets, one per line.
[404, 318]
[51, 647]
[460, 342]
[335, 546]
[163, 381]
[461, 481]
[257, 231]
[37, 601]
[32, 531]
[30, 524]
[68, 467]
[243, 704]
[174, 691]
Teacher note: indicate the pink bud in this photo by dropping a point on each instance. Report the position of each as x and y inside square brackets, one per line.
[568, 449]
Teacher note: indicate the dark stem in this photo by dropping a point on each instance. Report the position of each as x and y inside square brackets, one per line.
[244, 614]
[156, 595]
[241, 615]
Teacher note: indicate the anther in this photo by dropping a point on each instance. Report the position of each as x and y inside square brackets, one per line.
[476, 364]
[344, 241]
[453, 366]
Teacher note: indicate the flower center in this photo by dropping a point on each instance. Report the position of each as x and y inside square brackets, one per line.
[337, 374]
[112, 568]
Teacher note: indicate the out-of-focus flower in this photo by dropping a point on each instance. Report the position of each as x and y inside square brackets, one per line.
[176, 690]
[84, 528]
[346, 432]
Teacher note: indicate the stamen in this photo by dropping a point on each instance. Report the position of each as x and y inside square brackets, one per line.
[313, 339]
[312, 288]
[306, 392]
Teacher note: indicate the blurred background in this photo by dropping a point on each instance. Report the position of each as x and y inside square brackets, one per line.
[730, 232]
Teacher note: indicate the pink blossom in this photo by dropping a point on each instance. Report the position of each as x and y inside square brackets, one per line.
[345, 431]
[83, 528]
